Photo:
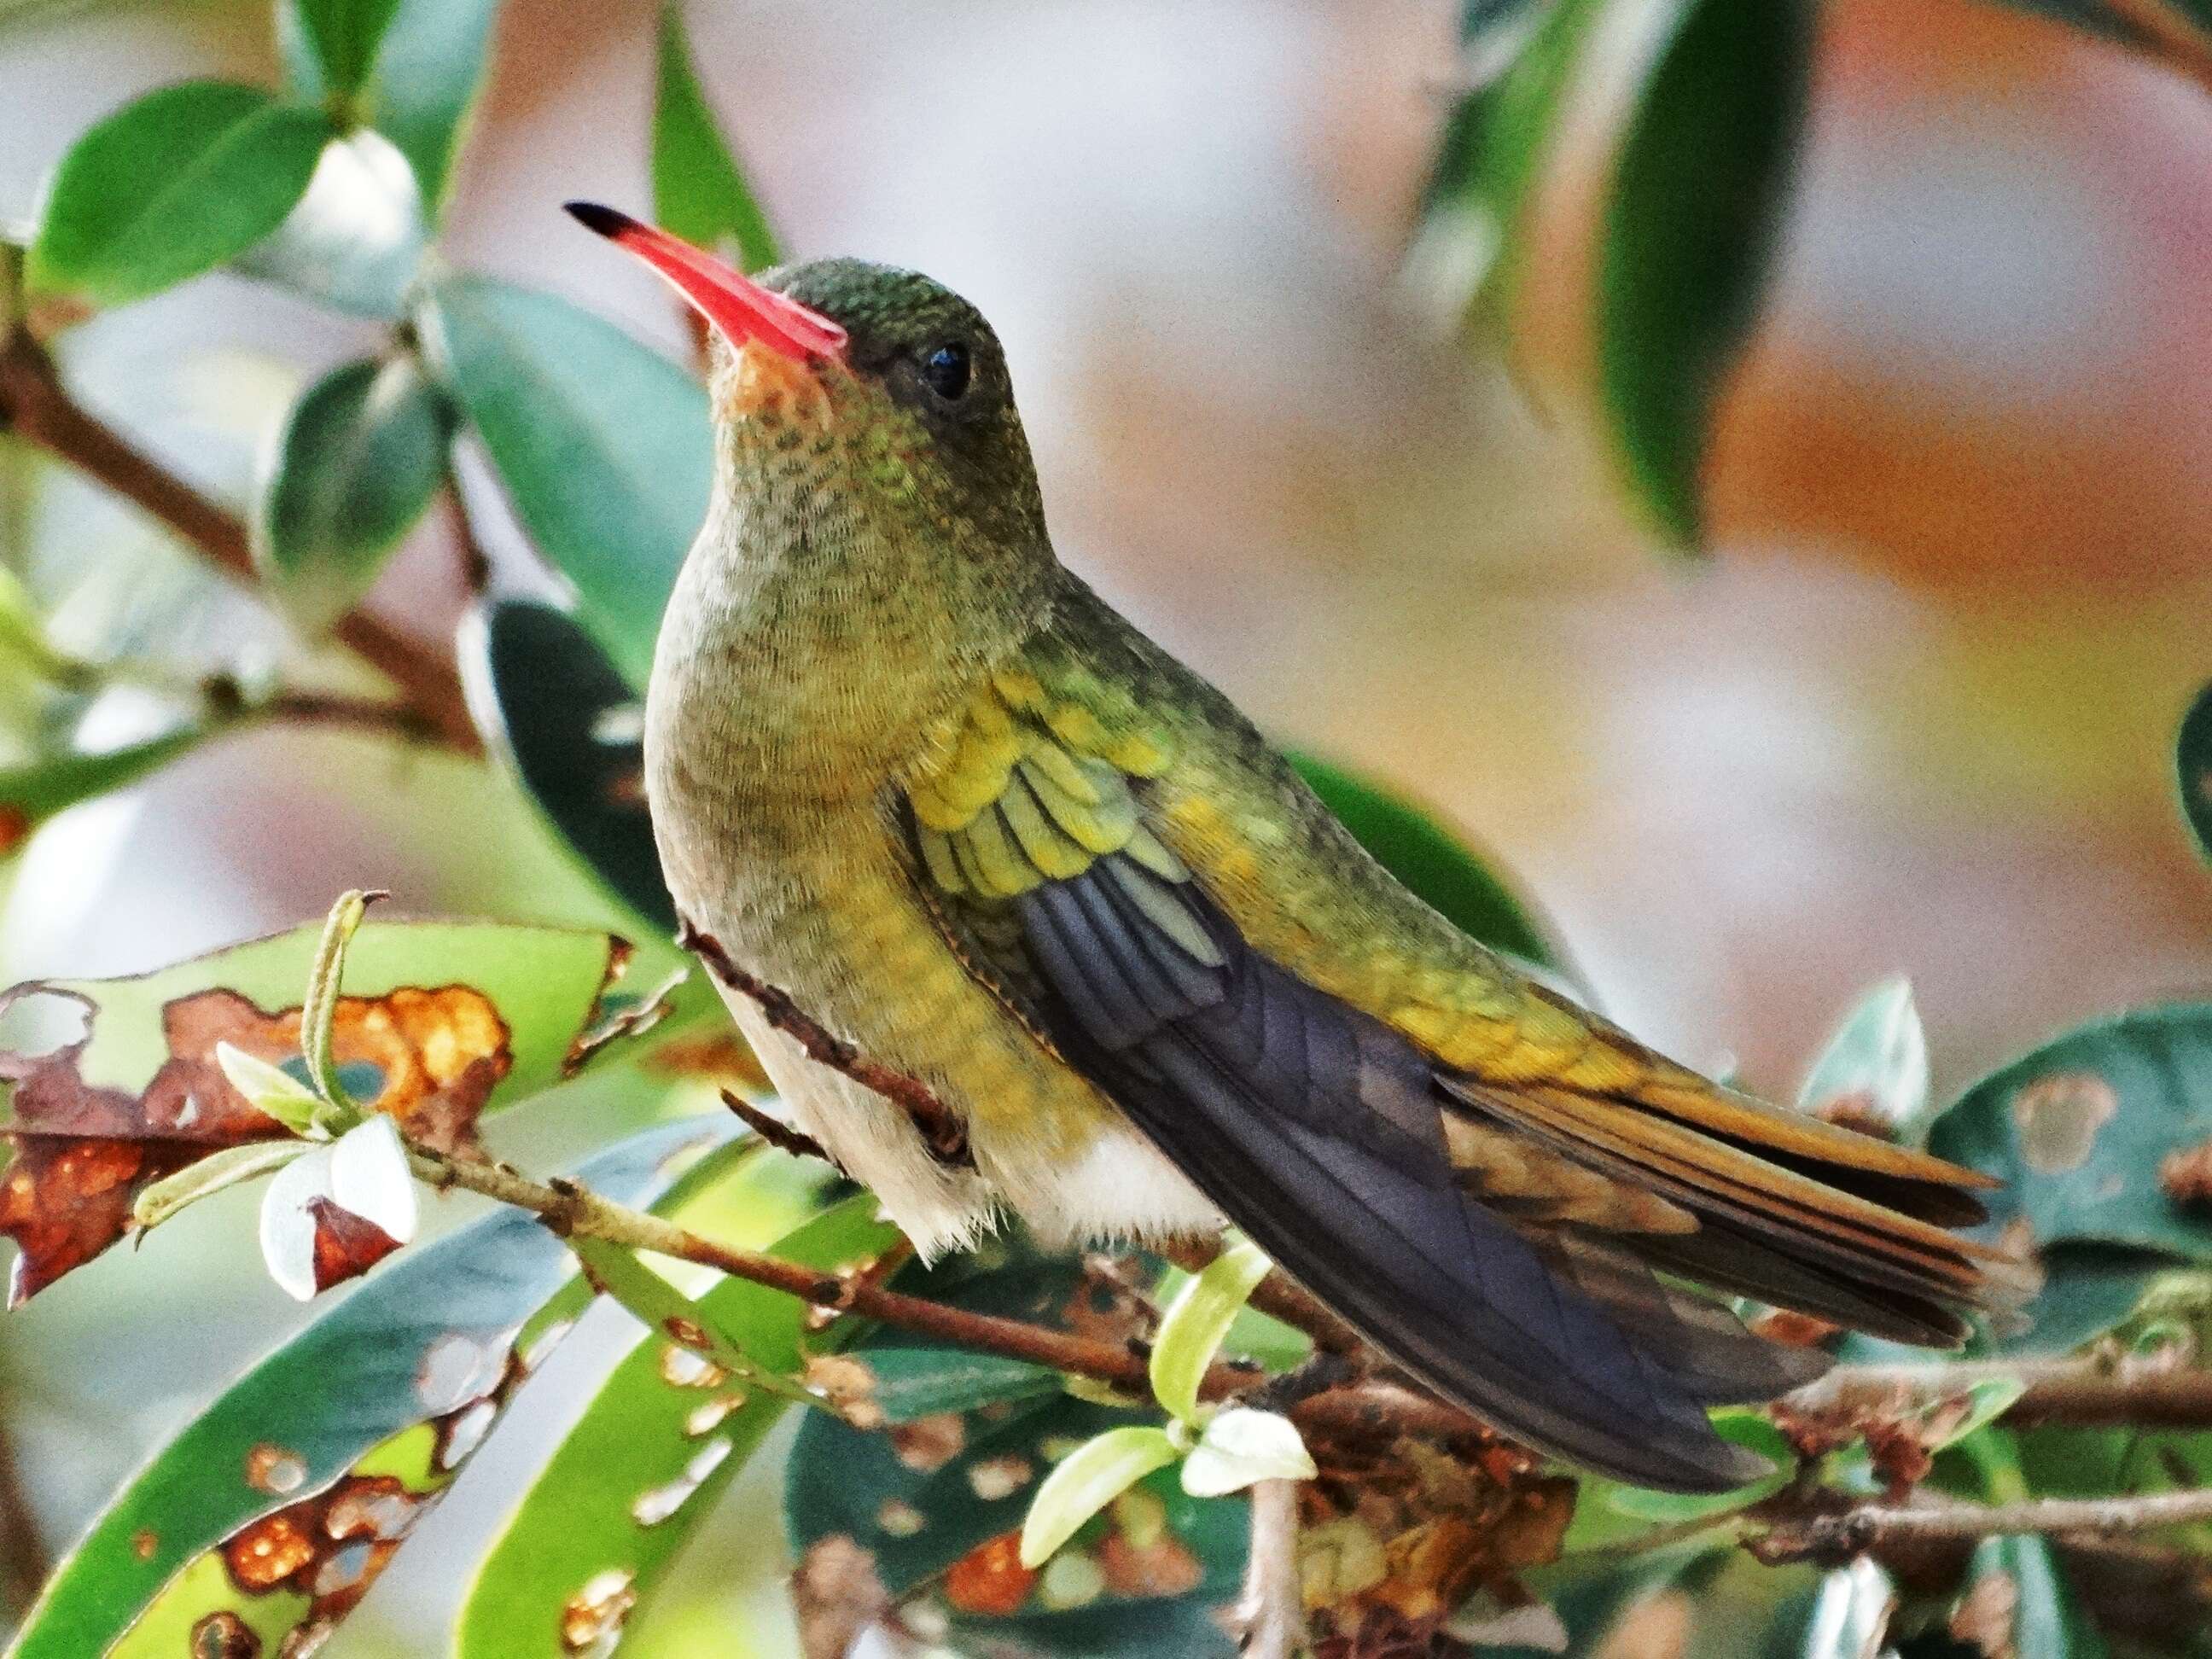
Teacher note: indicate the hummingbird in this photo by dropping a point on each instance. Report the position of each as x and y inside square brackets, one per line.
[909, 771]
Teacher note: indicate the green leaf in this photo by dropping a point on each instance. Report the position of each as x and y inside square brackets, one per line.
[318, 1009]
[2192, 765]
[1496, 140]
[35, 790]
[171, 186]
[660, 1439]
[602, 446]
[425, 68]
[698, 191]
[2087, 1290]
[2015, 1601]
[216, 1173]
[366, 1415]
[938, 1506]
[1738, 1427]
[1436, 863]
[1875, 1068]
[1194, 1323]
[912, 1383]
[344, 35]
[1704, 170]
[440, 1023]
[2078, 1131]
[273, 1091]
[1087, 1481]
[573, 731]
[360, 455]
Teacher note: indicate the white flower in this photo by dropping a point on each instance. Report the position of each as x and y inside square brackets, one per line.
[338, 1210]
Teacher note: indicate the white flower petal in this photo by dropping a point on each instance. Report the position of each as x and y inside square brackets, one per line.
[369, 1175]
[287, 1229]
[1241, 1445]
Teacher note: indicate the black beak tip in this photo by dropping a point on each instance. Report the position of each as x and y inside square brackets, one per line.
[606, 221]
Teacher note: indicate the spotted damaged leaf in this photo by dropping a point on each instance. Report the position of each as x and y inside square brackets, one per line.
[929, 1511]
[262, 1524]
[2093, 1133]
[590, 1547]
[444, 1022]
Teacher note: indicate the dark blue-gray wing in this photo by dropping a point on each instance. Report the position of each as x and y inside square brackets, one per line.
[1316, 1130]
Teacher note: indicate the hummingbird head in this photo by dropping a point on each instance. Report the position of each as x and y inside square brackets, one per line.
[857, 400]
[875, 535]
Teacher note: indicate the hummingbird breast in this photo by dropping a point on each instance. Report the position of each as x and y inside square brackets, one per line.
[772, 746]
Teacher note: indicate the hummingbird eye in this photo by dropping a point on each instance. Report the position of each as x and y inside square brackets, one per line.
[946, 370]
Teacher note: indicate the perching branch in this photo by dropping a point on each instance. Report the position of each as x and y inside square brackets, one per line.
[1831, 1539]
[35, 406]
[574, 1211]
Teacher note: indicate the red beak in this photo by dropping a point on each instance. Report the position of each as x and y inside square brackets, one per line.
[734, 303]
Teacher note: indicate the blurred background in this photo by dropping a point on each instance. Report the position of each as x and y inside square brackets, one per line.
[1914, 713]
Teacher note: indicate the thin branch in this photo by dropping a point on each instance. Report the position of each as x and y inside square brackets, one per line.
[575, 1211]
[37, 407]
[1870, 1528]
[774, 1130]
[2083, 1392]
[1271, 1609]
[942, 1129]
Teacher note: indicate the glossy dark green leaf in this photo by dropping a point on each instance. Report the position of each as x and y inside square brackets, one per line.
[381, 1399]
[413, 69]
[344, 35]
[172, 186]
[2087, 1290]
[571, 728]
[937, 1506]
[1702, 176]
[33, 791]
[698, 190]
[657, 1444]
[2192, 765]
[360, 456]
[2081, 1130]
[917, 1383]
[1436, 863]
[602, 446]
[1495, 144]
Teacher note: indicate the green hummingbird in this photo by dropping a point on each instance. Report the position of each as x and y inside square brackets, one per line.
[908, 769]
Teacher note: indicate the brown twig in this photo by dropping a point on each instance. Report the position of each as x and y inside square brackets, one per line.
[2082, 1393]
[1869, 1529]
[942, 1129]
[35, 406]
[775, 1131]
[575, 1211]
